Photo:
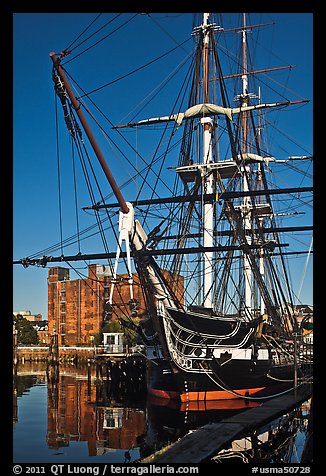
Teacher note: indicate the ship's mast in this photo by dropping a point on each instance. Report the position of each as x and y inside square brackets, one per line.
[259, 181]
[97, 150]
[246, 206]
[207, 180]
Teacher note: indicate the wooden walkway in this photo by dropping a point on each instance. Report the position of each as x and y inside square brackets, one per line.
[202, 444]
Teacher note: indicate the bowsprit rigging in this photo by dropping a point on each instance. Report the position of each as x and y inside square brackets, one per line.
[220, 317]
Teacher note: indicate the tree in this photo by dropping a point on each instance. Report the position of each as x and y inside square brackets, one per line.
[26, 334]
[130, 331]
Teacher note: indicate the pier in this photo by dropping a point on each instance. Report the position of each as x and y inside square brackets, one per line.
[55, 354]
[202, 444]
[117, 374]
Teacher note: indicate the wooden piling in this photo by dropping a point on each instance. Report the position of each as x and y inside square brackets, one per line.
[15, 351]
[53, 356]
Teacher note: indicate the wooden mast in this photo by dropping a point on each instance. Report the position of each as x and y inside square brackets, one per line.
[244, 98]
[246, 207]
[80, 114]
[207, 180]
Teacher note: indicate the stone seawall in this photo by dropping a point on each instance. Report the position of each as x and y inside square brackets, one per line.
[66, 354]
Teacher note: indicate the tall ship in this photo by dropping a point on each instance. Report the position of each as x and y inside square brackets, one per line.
[204, 230]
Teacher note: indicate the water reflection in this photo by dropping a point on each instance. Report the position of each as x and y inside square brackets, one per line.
[167, 421]
[119, 425]
[280, 441]
[79, 413]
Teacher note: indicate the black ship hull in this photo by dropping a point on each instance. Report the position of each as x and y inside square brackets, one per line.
[239, 379]
[218, 359]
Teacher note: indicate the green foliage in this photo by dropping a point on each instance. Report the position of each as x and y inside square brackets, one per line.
[98, 339]
[112, 326]
[131, 335]
[26, 334]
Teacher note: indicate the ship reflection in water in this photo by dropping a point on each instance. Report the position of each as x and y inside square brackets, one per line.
[167, 421]
[68, 412]
[280, 441]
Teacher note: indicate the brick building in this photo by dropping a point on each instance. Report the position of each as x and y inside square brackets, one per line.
[77, 307]
[42, 330]
[72, 418]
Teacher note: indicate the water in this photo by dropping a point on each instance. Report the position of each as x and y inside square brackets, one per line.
[62, 419]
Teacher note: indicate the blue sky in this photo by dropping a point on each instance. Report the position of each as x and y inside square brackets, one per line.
[143, 38]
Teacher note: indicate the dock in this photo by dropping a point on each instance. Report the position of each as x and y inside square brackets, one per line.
[66, 354]
[202, 444]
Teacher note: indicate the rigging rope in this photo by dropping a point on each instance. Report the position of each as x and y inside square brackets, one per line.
[61, 240]
[120, 134]
[80, 145]
[75, 194]
[86, 278]
[304, 271]
[131, 72]
[73, 126]
[69, 48]
[102, 39]
[247, 397]
[163, 29]
[84, 31]
[58, 172]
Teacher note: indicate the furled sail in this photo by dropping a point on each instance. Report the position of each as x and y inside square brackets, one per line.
[206, 109]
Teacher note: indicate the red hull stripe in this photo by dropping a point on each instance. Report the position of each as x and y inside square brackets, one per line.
[236, 404]
[164, 393]
[204, 396]
[218, 394]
